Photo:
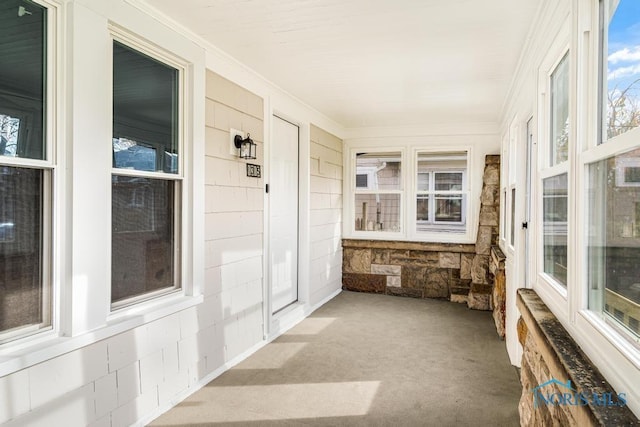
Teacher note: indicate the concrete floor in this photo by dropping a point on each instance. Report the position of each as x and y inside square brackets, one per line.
[368, 360]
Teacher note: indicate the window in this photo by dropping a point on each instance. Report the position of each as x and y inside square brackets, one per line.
[26, 171]
[559, 117]
[441, 196]
[377, 205]
[555, 177]
[146, 178]
[620, 73]
[613, 178]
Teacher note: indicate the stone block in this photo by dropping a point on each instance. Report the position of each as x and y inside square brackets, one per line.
[480, 269]
[489, 215]
[364, 282]
[393, 270]
[357, 261]
[394, 281]
[414, 277]
[479, 297]
[405, 292]
[380, 256]
[449, 260]
[465, 265]
[483, 244]
[490, 195]
[522, 331]
[491, 175]
[459, 298]
[437, 283]
[492, 159]
[499, 298]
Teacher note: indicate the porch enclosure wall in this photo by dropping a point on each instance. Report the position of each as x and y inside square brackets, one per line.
[129, 369]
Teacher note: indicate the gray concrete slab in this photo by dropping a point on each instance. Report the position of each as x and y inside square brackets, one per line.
[368, 360]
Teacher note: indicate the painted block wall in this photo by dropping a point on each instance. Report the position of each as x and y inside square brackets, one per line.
[326, 214]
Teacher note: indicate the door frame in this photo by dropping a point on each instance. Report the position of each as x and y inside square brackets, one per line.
[276, 324]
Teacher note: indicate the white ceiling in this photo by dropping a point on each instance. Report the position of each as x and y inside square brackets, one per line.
[373, 62]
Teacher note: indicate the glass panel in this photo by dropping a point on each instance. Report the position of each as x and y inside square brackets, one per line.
[614, 240]
[22, 79]
[559, 119]
[23, 297]
[422, 208]
[448, 181]
[145, 112]
[513, 216]
[622, 80]
[143, 236]
[377, 212]
[423, 181]
[383, 170]
[448, 208]
[555, 212]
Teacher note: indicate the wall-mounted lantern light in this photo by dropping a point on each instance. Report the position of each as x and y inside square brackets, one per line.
[246, 147]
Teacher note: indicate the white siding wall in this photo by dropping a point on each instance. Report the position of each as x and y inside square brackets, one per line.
[326, 215]
[131, 369]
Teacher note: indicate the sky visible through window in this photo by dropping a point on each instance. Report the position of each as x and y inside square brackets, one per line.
[623, 68]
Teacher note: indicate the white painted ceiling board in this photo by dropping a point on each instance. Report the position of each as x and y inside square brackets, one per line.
[373, 62]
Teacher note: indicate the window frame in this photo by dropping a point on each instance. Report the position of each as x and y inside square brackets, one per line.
[545, 283]
[369, 234]
[433, 194]
[135, 43]
[51, 188]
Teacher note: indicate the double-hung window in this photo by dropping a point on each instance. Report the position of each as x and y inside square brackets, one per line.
[27, 168]
[441, 192]
[613, 174]
[146, 176]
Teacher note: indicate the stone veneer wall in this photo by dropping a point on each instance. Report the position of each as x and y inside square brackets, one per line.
[456, 272]
[551, 354]
[413, 269]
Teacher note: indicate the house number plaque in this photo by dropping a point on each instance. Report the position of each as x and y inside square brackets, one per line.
[254, 171]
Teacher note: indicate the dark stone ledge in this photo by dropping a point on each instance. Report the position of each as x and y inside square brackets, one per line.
[406, 245]
[497, 253]
[579, 369]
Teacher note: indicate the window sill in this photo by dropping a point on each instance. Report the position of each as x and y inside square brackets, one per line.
[30, 352]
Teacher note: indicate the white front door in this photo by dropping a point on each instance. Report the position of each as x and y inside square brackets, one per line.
[283, 217]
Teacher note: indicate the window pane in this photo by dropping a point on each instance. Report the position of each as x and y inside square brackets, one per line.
[513, 216]
[622, 79]
[448, 208]
[143, 236]
[23, 298]
[383, 171]
[423, 181]
[555, 227]
[377, 212]
[145, 112]
[448, 181]
[560, 112]
[422, 208]
[614, 239]
[22, 82]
